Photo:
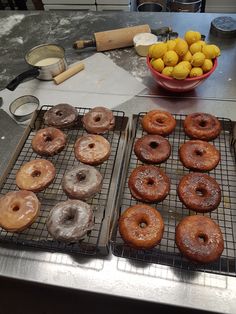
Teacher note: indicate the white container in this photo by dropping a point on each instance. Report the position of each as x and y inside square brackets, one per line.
[142, 42]
[49, 7]
[113, 2]
[69, 2]
[114, 8]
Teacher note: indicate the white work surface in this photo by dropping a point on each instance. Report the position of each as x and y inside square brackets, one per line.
[102, 83]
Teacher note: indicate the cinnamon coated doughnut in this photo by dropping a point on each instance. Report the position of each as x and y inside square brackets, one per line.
[48, 142]
[199, 155]
[98, 120]
[202, 126]
[199, 239]
[152, 149]
[35, 175]
[70, 221]
[18, 210]
[61, 116]
[158, 122]
[92, 149]
[141, 226]
[149, 184]
[82, 182]
[199, 192]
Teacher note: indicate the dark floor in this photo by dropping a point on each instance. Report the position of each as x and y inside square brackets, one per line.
[23, 298]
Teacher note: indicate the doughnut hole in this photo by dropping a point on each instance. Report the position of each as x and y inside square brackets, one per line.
[47, 138]
[203, 123]
[202, 238]
[150, 181]
[143, 224]
[80, 176]
[59, 113]
[91, 145]
[153, 145]
[199, 152]
[36, 173]
[97, 118]
[160, 120]
[201, 191]
[15, 207]
[69, 217]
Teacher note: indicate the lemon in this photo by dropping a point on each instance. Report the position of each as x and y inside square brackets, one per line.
[196, 72]
[209, 51]
[170, 44]
[195, 47]
[181, 47]
[170, 58]
[167, 71]
[198, 59]
[158, 64]
[187, 57]
[186, 64]
[150, 50]
[207, 65]
[180, 72]
[217, 50]
[159, 50]
[192, 36]
[202, 43]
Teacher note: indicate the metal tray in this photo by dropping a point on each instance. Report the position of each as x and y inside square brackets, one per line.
[96, 242]
[173, 210]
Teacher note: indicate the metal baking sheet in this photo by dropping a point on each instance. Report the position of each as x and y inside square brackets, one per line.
[172, 210]
[96, 242]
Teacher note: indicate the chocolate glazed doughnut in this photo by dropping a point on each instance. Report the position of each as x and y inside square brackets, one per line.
[82, 182]
[48, 142]
[199, 192]
[61, 116]
[141, 226]
[199, 239]
[152, 149]
[70, 221]
[158, 122]
[202, 126]
[199, 155]
[98, 120]
[149, 184]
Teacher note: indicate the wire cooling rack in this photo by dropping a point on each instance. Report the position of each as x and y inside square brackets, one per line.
[37, 235]
[172, 210]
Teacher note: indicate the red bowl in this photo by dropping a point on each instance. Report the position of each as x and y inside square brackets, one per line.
[179, 86]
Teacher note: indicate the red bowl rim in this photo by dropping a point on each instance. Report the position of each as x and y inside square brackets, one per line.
[189, 79]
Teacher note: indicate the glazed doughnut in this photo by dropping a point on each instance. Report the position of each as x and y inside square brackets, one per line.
[92, 149]
[199, 239]
[82, 182]
[98, 120]
[141, 226]
[199, 155]
[149, 184]
[35, 175]
[70, 221]
[61, 116]
[49, 142]
[153, 149]
[199, 192]
[202, 126]
[18, 210]
[158, 122]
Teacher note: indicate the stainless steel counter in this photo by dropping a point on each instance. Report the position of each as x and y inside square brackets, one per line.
[111, 275]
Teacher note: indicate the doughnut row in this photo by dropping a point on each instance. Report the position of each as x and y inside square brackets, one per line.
[71, 220]
[141, 226]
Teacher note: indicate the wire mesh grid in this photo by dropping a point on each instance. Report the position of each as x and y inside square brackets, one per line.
[37, 235]
[172, 210]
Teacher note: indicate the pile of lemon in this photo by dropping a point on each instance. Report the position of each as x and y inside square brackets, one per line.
[181, 58]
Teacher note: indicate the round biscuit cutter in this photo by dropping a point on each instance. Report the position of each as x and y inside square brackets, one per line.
[22, 108]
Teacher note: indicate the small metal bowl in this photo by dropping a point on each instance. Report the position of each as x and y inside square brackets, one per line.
[23, 107]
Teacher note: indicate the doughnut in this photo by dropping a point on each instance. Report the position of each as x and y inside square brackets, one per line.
[48, 142]
[153, 149]
[141, 226]
[158, 122]
[199, 155]
[199, 192]
[199, 239]
[35, 175]
[82, 182]
[92, 149]
[18, 210]
[98, 120]
[70, 221]
[202, 126]
[149, 184]
[61, 116]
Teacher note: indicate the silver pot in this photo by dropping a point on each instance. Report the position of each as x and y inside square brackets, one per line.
[46, 60]
[184, 5]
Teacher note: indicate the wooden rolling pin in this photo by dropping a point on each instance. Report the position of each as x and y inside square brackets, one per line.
[68, 73]
[113, 39]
